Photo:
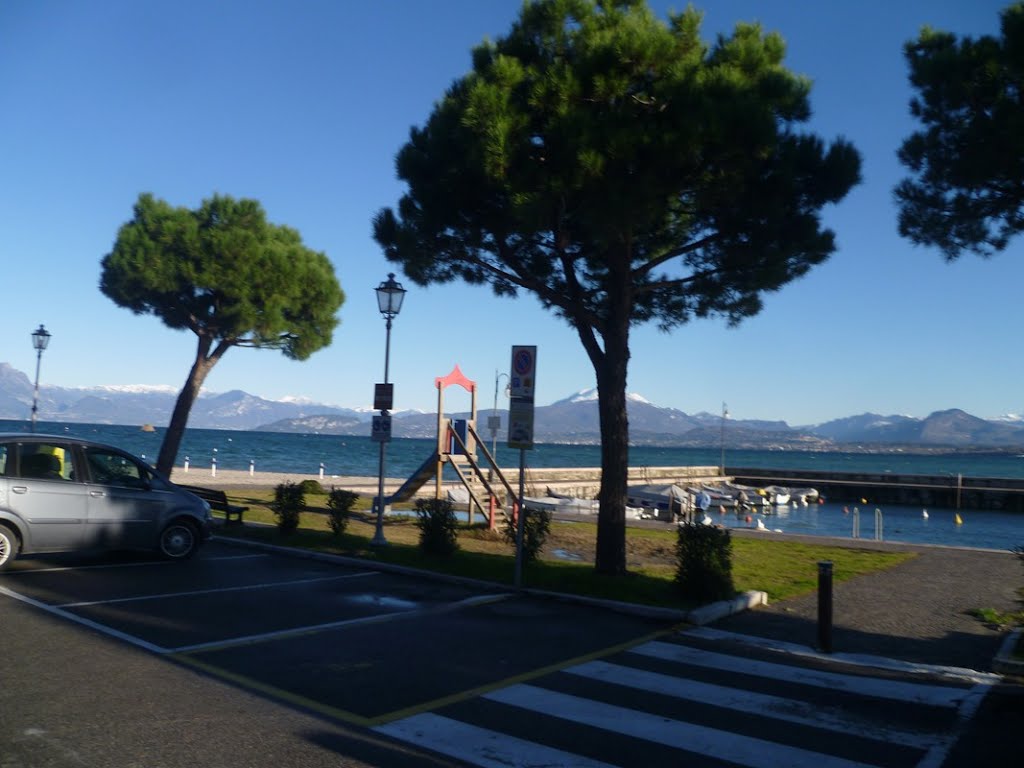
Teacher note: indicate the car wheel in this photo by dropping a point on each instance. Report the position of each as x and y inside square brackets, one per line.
[9, 546]
[179, 540]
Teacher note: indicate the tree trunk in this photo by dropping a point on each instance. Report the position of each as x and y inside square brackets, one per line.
[183, 406]
[611, 404]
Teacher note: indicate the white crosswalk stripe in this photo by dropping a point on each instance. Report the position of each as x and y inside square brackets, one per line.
[481, 746]
[749, 702]
[936, 695]
[712, 742]
[690, 704]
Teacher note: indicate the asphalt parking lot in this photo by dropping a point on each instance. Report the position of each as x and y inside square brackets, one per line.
[351, 643]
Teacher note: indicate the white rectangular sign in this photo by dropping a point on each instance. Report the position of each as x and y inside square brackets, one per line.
[522, 372]
[522, 380]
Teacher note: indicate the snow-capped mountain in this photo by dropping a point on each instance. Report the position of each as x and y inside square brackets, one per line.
[573, 419]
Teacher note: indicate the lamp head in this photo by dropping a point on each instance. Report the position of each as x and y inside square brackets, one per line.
[389, 296]
[40, 338]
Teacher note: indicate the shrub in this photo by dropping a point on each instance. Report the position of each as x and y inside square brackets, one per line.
[289, 501]
[312, 487]
[536, 527]
[339, 505]
[438, 526]
[704, 563]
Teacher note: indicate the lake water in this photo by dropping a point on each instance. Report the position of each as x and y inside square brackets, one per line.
[977, 528]
[349, 455]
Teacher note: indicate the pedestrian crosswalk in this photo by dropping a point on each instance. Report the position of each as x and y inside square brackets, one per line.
[691, 700]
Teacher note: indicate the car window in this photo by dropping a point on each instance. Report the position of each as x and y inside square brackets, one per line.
[3, 459]
[112, 468]
[44, 461]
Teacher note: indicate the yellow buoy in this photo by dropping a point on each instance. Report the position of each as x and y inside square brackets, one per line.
[957, 519]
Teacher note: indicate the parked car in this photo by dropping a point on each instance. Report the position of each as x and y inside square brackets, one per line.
[60, 494]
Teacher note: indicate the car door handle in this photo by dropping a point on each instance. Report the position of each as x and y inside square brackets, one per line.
[97, 494]
[19, 488]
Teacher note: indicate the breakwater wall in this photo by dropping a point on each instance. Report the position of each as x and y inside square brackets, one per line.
[584, 482]
[952, 491]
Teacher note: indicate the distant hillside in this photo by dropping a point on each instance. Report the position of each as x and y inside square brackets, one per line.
[953, 428]
[146, 405]
[571, 420]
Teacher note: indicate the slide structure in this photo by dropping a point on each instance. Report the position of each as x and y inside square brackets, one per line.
[416, 481]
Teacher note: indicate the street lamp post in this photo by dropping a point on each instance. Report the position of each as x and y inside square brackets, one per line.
[390, 294]
[40, 340]
[495, 421]
[725, 415]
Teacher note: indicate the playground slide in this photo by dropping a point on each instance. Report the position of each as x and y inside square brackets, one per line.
[416, 480]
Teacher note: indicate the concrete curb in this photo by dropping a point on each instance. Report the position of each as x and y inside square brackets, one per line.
[715, 611]
[699, 616]
[1005, 663]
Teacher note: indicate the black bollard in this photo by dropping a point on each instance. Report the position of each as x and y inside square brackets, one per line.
[825, 606]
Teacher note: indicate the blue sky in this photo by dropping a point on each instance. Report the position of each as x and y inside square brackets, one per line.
[303, 106]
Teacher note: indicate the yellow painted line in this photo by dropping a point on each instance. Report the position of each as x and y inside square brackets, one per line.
[278, 693]
[521, 678]
[352, 718]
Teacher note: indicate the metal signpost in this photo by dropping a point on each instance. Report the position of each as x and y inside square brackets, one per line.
[522, 381]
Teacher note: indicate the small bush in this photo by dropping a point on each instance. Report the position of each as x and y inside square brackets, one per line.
[289, 501]
[536, 527]
[704, 563]
[339, 506]
[438, 526]
[312, 487]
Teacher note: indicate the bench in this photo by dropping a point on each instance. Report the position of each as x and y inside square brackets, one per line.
[218, 500]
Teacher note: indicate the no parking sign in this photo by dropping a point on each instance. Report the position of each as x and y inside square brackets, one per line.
[521, 385]
[524, 366]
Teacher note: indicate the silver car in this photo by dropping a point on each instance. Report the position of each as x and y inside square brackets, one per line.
[60, 493]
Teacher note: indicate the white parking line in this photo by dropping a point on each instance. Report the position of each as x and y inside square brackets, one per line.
[313, 628]
[110, 631]
[56, 569]
[266, 585]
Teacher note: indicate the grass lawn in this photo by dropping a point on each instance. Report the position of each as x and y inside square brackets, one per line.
[780, 568]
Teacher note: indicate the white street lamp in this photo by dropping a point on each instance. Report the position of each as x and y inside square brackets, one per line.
[390, 294]
[494, 422]
[40, 340]
[725, 415]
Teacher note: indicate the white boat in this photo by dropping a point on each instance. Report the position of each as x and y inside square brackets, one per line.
[803, 496]
[721, 496]
[777, 495]
[747, 496]
[565, 505]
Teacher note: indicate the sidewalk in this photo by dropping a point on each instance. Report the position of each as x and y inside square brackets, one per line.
[917, 611]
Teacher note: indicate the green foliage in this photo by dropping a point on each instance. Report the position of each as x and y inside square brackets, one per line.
[227, 275]
[288, 503]
[438, 526]
[704, 563]
[967, 188]
[536, 527]
[624, 172]
[312, 487]
[339, 509]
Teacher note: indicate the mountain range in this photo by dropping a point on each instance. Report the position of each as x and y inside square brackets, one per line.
[571, 420]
